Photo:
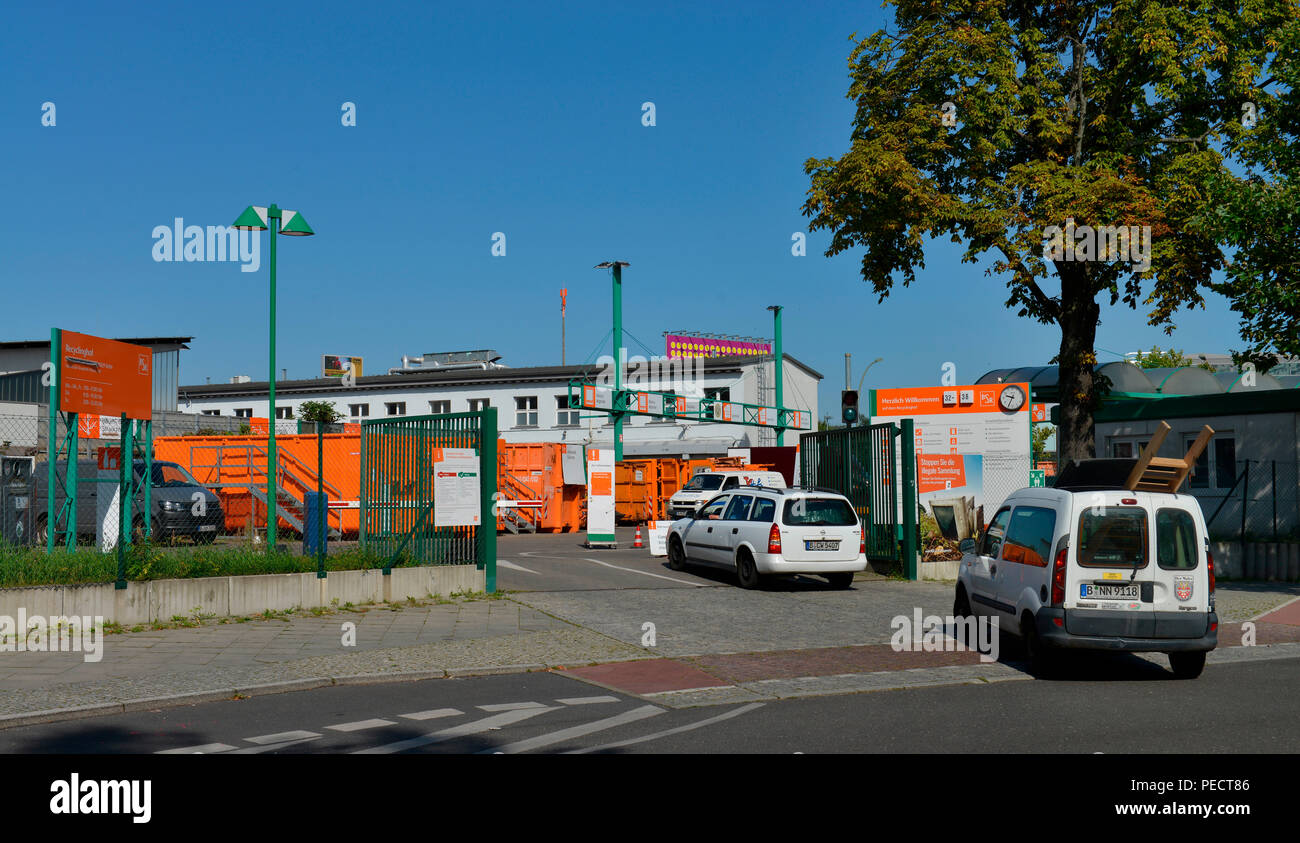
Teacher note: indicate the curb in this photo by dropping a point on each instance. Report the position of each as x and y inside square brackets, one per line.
[56, 715]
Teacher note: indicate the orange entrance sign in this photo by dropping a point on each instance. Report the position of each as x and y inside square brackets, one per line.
[104, 377]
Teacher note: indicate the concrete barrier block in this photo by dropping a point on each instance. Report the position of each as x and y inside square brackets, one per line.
[256, 594]
[185, 598]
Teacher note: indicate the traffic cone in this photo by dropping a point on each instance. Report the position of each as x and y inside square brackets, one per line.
[637, 542]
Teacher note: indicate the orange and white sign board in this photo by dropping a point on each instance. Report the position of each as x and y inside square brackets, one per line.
[104, 377]
[109, 459]
[600, 495]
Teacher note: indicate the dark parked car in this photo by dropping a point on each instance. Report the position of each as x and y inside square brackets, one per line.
[181, 506]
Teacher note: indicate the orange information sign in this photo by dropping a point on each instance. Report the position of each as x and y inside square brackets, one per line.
[259, 427]
[104, 377]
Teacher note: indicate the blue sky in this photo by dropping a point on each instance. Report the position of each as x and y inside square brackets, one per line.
[471, 119]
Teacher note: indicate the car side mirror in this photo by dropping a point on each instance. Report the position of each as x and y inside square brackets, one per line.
[966, 546]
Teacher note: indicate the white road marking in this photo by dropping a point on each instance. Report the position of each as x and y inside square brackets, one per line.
[254, 750]
[575, 731]
[361, 724]
[496, 721]
[280, 737]
[512, 566]
[735, 712]
[432, 714]
[587, 700]
[201, 749]
[620, 568]
[511, 706]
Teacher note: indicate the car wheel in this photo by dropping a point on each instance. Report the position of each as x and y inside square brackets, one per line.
[843, 579]
[747, 571]
[42, 536]
[961, 606]
[155, 531]
[1187, 665]
[1042, 662]
[676, 555]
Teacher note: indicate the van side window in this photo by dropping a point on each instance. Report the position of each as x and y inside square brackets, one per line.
[1176, 540]
[992, 541]
[1029, 537]
[731, 482]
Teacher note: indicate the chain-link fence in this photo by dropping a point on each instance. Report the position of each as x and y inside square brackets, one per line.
[1261, 502]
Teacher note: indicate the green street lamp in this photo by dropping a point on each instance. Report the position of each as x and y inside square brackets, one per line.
[257, 218]
[616, 271]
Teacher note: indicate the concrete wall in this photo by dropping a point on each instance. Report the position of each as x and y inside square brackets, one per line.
[162, 600]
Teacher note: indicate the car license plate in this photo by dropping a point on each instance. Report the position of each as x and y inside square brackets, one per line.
[821, 545]
[1102, 591]
[208, 528]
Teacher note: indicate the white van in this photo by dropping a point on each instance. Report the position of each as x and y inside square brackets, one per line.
[705, 484]
[1095, 568]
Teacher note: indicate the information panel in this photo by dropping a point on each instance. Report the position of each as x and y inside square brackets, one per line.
[457, 498]
[104, 377]
[600, 495]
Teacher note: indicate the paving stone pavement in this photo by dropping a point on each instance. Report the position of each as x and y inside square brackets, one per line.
[224, 656]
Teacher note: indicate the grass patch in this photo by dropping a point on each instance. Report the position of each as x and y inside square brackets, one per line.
[22, 566]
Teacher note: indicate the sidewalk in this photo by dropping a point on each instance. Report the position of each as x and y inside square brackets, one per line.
[712, 646]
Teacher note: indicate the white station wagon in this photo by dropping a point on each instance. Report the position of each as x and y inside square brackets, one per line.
[761, 532]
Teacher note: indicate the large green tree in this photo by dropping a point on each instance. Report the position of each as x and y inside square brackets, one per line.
[988, 123]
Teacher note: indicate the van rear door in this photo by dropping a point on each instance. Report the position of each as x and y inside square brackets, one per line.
[1110, 584]
[1181, 593]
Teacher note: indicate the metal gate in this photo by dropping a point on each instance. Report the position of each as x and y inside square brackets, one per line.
[859, 463]
[397, 490]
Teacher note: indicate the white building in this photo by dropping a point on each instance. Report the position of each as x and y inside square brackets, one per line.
[532, 402]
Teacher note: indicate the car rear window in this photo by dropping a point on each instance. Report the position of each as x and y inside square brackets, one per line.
[1113, 536]
[819, 512]
[1176, 540]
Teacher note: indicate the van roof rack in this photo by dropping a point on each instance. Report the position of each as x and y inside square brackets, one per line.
[1147, 473]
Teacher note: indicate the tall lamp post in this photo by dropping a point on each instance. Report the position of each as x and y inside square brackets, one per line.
[278, 221]
[616, 268]
[779, 360]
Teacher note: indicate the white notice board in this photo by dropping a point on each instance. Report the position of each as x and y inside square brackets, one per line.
[456, 488]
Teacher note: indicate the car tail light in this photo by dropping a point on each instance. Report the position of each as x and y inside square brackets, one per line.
[862, 544]
[1210, 557]
[774, 540]
[1058, 577]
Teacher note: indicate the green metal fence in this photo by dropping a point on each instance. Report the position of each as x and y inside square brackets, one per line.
[398, 502]
[859, 463]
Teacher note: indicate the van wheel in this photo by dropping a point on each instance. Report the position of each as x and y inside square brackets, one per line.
[42, 535]
[676, 555]
[1042, 662]
[1187, 665]
[844, 579]
[746, 571]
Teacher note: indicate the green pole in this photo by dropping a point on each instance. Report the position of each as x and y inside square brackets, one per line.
[779, 365]
[618, 362]
[52, 444]
[272, 498]
[320, 500]
[909, 500]
[487, 531]
[148, 477]
[73, 464]
[123, 502]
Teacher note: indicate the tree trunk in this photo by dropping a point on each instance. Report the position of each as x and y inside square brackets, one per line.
[1075, 436]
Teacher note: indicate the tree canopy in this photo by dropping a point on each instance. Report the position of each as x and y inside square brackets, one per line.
[1085, 147]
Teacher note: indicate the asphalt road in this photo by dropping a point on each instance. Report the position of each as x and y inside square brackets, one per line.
[1109, 705]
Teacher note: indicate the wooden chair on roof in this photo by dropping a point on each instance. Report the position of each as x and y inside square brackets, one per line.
[1165, 474]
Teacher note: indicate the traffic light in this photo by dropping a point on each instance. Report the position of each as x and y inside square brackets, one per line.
[849, 405]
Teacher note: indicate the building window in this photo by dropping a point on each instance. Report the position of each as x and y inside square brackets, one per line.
[477, 404]
[1216, 467]
[720, 393]
[359, 411]
[1127, 449]
[244, 412]
[284, 412]
[211, 412]
[526, 411]
[564, 417]
[395, 408]
[439, 408]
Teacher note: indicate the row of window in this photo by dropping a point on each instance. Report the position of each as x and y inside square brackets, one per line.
[526, 414]
[1216, 467]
